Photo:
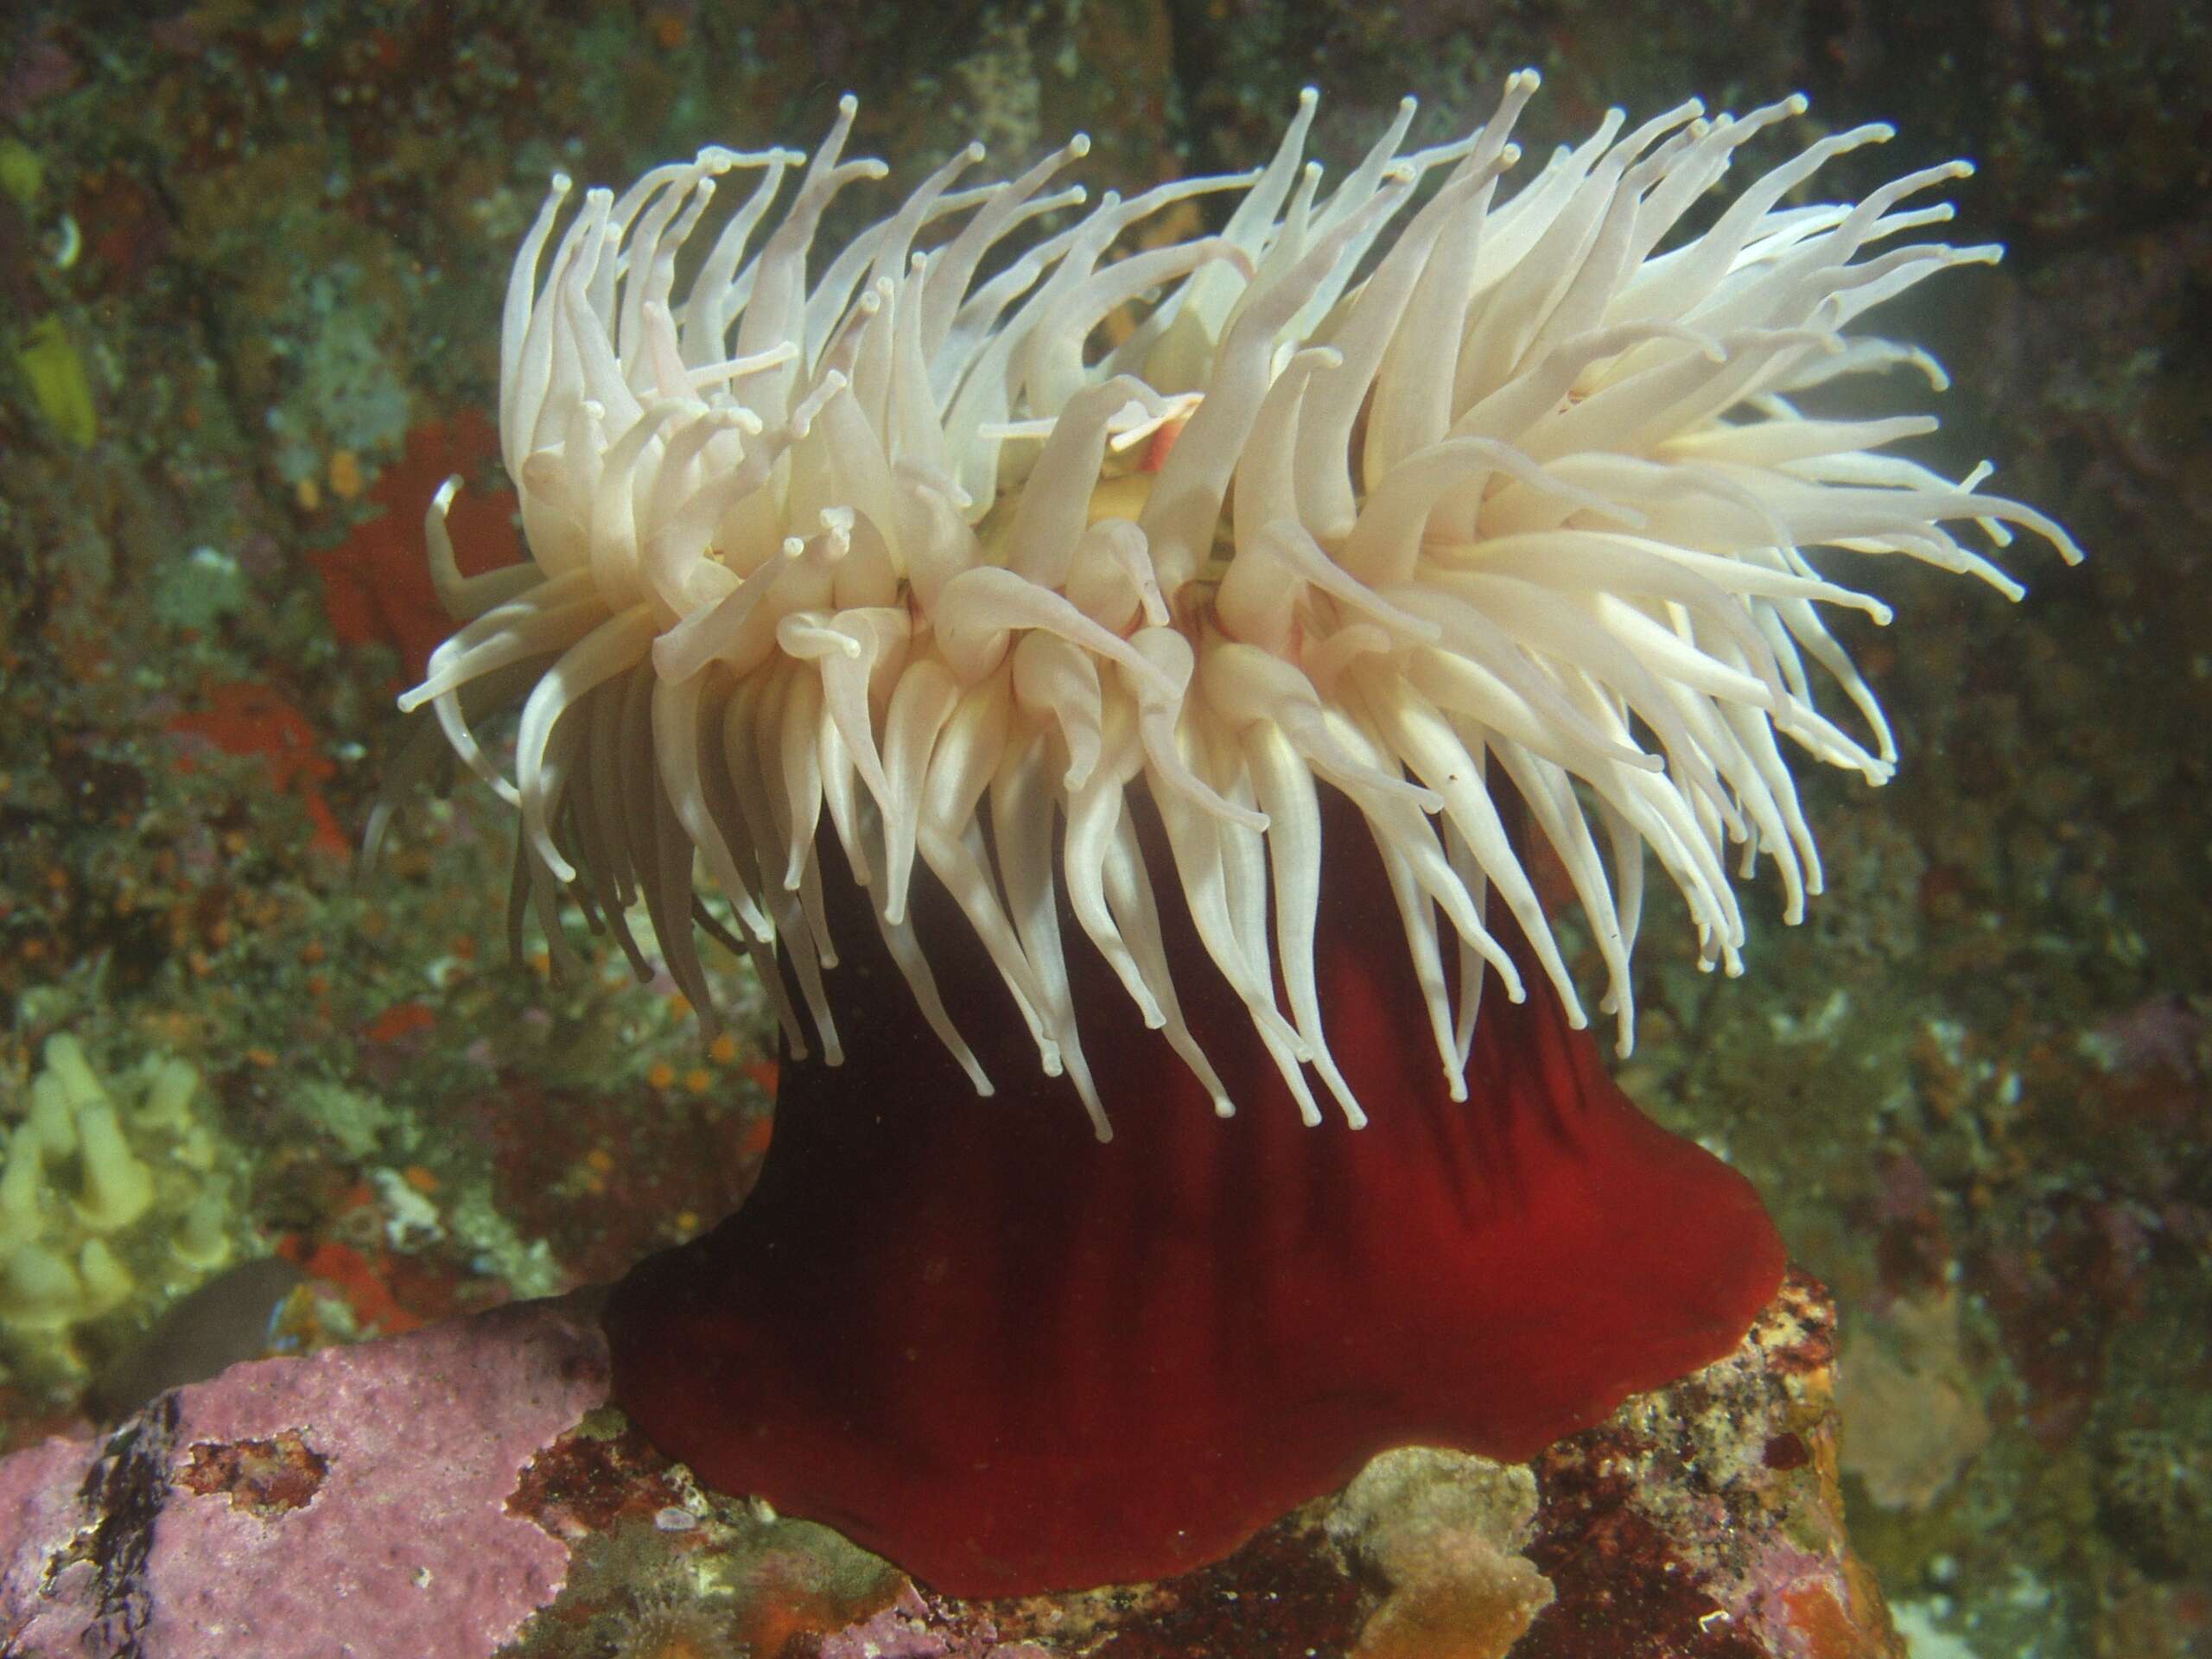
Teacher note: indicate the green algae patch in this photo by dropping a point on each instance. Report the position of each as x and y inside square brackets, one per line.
[58, 386]
[22, 173]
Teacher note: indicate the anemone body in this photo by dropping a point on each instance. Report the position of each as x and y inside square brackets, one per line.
[1399, 488]
[1013, 1360]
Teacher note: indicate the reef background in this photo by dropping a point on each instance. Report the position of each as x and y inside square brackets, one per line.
[250, 266]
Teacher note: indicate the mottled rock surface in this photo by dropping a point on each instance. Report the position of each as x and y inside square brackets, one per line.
[464, 1492]
[355, 1502]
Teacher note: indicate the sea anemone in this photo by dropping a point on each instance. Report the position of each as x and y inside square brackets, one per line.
[892, 544]
[1069, 563]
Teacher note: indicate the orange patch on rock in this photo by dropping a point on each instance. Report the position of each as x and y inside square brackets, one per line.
[356, 1279]
[400, 1018]
[1825, 1630]
[262, 1477]
[375, 586]
[247, 717]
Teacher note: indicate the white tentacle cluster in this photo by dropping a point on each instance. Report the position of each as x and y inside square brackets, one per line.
[1459, 478]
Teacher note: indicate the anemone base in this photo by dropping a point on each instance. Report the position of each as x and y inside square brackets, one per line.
[976, 1340]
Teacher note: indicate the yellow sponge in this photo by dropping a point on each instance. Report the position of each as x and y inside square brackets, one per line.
[40, 1291]
[118, 1187]
[114, 1196]
[23, 1188]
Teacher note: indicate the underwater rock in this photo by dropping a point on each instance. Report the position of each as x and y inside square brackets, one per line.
[464, 1491]
[1707, 1518]
[350, 1501]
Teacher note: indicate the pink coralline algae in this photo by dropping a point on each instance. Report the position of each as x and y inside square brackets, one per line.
[350, 1504]
[904, 1631]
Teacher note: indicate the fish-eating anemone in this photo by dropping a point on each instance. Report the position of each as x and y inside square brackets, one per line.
[1150, 677]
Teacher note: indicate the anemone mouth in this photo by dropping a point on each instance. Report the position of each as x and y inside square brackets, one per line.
[1379, 488]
